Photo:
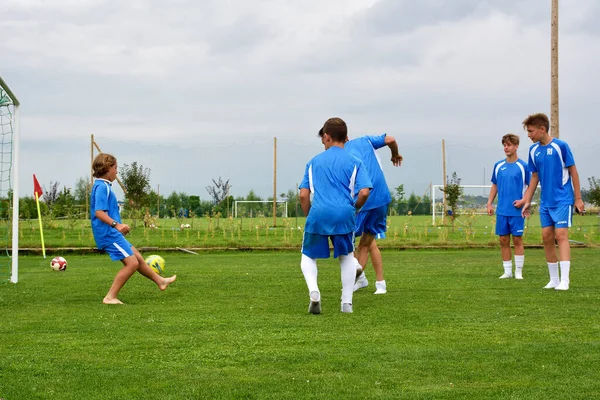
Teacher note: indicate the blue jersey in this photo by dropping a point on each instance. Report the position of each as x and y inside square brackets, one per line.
[551, 163]
[511, 180]
[333, 177]
[364, 148]
[103, 198]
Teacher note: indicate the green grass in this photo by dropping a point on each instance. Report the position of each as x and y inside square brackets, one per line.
[235, 326]
[403, 231]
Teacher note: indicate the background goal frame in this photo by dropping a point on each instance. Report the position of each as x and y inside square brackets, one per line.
[433, 190]
[235, 205]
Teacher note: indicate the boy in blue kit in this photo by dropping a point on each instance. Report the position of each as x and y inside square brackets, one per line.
[109, 231]
[510, 179]
[371, 220]
[552, 165]
[332, 177]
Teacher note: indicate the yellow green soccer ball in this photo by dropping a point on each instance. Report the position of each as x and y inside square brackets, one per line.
[157, 263]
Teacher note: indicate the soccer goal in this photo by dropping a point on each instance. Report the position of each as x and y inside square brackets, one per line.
[9, 183]
[259, 208]
[473, 200]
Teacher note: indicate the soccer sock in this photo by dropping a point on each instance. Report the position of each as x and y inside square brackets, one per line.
[348, 273]
[309, 269]
[553, 270]
[507, 267]
[565, 268]
[519, 262]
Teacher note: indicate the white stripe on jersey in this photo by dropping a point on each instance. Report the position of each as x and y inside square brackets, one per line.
[310, 179]
[498, 169]
[376, 156]
[522, 177]
[353, 182]
[565, 171]
[532, 153]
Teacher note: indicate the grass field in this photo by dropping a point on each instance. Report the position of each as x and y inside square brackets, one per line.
[235, 326]
[402, 232]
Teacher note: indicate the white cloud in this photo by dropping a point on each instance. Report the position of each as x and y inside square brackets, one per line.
[224, 72]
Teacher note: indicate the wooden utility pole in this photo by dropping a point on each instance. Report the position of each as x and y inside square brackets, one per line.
[445, 183]
[274, 181]
[554, 128]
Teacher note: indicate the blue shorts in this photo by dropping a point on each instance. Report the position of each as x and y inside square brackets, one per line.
[558, 217]
[317, 246]
[506, 225]
[119, 249]
[372, 221]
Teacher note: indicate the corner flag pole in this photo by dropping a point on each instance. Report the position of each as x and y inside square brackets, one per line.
[37, 191]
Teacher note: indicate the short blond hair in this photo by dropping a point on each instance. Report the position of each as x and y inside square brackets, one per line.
[102, 163]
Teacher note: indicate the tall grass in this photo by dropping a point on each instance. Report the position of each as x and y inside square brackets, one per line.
[235, 326]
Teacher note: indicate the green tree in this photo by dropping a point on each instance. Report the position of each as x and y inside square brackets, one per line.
[453, 191]
[82, 190]
[399, 192]
[136, 181]
[593, 193]
[173, 204]
[413, 201]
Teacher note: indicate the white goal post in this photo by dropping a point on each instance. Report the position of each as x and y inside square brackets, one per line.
[485, 188]
[235, 205]
[9, 168]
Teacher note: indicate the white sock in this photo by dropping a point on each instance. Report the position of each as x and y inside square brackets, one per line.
[553, 270]
[519, 262]
[507, 267]
[348, 273]
[309, 269]
[565, 269]
[362, 276]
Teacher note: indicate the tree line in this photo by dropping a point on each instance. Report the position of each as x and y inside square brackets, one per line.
[143, 203]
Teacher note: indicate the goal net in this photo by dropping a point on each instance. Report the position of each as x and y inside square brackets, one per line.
[472, 201]
[259, 208]
[9, 193]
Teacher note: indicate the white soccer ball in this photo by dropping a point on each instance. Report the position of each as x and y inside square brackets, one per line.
[58, 264]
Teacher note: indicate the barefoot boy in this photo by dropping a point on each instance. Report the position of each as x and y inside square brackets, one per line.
[109, 231]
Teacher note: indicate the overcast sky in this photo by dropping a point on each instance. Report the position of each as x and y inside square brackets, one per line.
[196, 90]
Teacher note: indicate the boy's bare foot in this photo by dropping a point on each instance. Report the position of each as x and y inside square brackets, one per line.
[111, 300]
[167, 282]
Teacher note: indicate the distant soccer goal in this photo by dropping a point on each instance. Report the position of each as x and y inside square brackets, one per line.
[9, 184]
[472, 201]
[259, 208]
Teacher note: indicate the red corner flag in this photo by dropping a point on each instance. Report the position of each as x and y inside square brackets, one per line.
[37, 189]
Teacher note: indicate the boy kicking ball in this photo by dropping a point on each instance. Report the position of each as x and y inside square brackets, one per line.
[109, 232]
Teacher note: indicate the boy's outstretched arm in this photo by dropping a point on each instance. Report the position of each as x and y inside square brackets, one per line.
[390, 142]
